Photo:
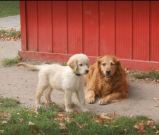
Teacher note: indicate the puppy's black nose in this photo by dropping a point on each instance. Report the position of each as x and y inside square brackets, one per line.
[87, 71]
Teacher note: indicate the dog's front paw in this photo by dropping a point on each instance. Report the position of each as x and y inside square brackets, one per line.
[103, 102]
[90, 100]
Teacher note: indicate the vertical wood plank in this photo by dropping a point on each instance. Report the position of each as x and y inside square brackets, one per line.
[45, 26]
[60, 26]
[23, 25]
[141, 30]
[32, 30]
[124, 29]
[90, 27]
[107, 27]
[154, 31]
[74, 27]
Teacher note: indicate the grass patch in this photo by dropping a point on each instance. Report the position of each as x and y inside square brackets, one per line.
[16, 119]
[9, 8]
[8, 102]
[143, 75]
[11, 34]
[7, 62]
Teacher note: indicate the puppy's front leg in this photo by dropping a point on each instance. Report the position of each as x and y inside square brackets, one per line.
[68, 100]
[81, 99]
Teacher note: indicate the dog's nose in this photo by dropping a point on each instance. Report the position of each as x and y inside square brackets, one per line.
[87, 71]
[108, 72]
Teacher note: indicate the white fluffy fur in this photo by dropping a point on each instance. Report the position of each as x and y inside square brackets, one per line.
[62, 78]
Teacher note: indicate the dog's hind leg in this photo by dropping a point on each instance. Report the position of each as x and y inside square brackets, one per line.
[42, 86]
[48, 96]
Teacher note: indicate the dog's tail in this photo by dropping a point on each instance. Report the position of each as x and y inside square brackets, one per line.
[30, 66]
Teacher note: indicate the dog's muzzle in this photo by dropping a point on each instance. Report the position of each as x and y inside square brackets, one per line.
[108, 74]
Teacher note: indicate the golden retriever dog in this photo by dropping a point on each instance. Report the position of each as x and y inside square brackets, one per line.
[107, 80]
[69, 79]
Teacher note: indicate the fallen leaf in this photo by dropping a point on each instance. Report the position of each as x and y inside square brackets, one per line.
[60, 116]
[21, 120]
[150, 123]
[62, 126]
[140, 127]
[105, 116]
[154, 127]
[1, 131]
[79, 125]
[131, 115]
[157, 131]
[5, 116]
[4, 122]
[30, 123]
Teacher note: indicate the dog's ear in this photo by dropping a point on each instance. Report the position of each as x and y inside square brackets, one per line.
[73, 64]
[99, 60]
[118, 62]
[119, 67]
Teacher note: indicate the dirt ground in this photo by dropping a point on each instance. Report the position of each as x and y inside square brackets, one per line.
[10, 22]
[20, 83]
[9, 49]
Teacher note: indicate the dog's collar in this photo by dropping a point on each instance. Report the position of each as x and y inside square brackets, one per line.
[77, 74]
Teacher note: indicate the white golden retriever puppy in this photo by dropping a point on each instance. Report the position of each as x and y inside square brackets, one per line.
[69, 79]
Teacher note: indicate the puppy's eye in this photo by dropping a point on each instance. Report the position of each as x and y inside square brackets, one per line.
[80, 65]
[103, 64]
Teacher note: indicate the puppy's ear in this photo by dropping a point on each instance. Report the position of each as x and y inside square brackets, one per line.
[73, 64]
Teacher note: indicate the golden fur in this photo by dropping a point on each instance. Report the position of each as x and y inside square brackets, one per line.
[107, 80]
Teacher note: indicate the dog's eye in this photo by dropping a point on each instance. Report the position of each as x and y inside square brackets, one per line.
[112, 63]
[103, 64]
[80, 65]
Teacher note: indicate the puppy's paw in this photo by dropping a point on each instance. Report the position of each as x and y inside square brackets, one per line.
[85, 109]
[90, 100]
[37, 107]
[72, 105]
[103, 102]
[50, 103]
[69, 110]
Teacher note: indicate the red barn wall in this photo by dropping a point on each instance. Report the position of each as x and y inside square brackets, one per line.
[54, 30]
